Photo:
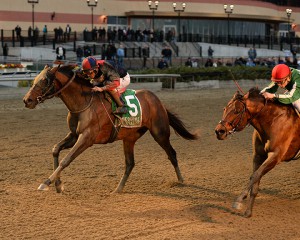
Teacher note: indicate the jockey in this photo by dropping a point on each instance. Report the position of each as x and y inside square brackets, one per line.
[286, 78]
[101, 71]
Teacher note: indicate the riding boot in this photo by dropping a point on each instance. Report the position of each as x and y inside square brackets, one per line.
[121, 109]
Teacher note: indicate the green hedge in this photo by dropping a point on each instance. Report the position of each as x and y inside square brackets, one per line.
[213, 73]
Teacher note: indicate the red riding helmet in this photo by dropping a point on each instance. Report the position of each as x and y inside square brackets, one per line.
[280, 72]
[89, 63]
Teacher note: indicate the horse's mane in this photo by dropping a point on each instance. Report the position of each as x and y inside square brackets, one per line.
[68, 70]
[254, 93]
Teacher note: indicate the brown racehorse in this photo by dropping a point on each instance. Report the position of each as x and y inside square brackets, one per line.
[91, 121]
[276, 135]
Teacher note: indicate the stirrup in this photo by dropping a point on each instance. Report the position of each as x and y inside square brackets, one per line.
[121, 110]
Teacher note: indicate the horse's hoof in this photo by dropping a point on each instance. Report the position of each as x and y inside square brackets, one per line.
[248, 214]
[43, 187]
[237, 205]
[59, 186]
[117, 191]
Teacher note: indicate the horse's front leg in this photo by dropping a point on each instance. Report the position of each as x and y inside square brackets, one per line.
[82, 143]
[66, 143]
[259, 156]
[129, 164]
[253, 185]
[257, 162]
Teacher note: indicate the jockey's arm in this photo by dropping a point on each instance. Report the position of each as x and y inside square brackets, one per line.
[289, 96]
[272, 88]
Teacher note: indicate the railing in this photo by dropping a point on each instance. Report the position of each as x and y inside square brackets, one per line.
[11, 79]
[266, 41]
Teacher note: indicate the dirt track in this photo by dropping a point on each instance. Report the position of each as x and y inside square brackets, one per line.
[153, 206]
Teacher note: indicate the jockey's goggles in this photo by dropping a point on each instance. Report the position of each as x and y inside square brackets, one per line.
[90, 71]
[281, 81]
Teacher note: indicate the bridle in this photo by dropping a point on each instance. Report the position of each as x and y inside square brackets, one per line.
[49, 90]
[236, 123]
[50, 86]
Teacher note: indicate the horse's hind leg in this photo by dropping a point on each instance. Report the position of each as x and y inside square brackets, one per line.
[162, 138]
[129, 164]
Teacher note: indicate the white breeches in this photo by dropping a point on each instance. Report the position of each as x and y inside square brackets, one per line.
[296, 104]
[124, 82]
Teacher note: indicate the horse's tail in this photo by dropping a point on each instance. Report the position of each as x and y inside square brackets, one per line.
[180, 128]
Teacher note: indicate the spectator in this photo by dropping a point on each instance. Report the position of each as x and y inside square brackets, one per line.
[68, 32]
[85, 34]
[167, 54]
[29, 32]
[79, 54]
[189, 63]
[145, 54]
[294, 53]
[252, 54]
[5, 52]
[94, 34]
[250, 63]
[194, 63]
[209, 63]
[111, 51]
[120, 55]
[36, 34]
[162, 64]
[60, 32]
[87, 51]
[210, 52]
[18, 30]
[103, 51]
[219, 62]
[60, 53]
[228, 63]
[45, 30]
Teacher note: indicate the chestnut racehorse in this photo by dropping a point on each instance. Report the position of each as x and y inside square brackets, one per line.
[91, 121]
[276, 136]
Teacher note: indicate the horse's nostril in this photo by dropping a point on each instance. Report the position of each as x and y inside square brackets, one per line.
[27, 101]
[219, 132]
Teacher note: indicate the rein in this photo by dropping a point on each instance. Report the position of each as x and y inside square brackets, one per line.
[88, 106]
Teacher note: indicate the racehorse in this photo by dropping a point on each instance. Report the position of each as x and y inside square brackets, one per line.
[91, 121]
[276, 135]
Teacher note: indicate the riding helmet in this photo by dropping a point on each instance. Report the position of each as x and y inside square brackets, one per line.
[89, 63]
[280, 72]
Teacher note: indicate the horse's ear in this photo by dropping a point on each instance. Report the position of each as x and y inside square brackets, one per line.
[237, 93]
[46, 66]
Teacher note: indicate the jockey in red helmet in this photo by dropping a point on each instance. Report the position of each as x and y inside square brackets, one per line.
[287, 78]
[103, 72]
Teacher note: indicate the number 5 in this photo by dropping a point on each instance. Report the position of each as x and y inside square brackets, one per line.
[134, 110]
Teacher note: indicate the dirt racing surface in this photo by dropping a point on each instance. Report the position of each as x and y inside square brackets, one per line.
[153, 205]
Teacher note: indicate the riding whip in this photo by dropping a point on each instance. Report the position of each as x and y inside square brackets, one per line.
[236, 83]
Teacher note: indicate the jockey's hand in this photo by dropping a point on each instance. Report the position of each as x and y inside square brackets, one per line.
[97, 89]
[80, 73]
[268, 95]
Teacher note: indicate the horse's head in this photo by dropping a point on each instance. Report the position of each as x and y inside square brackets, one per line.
[236, 115]
[47, 84]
